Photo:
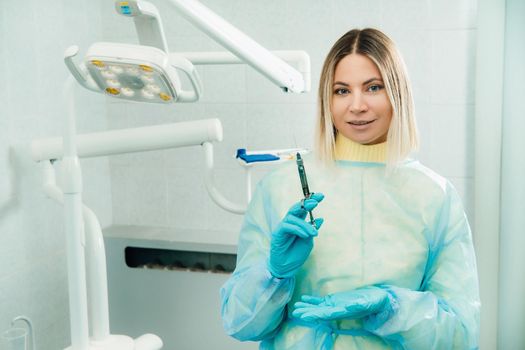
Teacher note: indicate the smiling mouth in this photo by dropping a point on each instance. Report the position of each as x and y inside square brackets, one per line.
[360, 122]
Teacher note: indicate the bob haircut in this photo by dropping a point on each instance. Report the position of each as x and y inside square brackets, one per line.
[402, 137]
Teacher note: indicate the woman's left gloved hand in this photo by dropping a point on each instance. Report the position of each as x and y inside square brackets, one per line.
[354, 304]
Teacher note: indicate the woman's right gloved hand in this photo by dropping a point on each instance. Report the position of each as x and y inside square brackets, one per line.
[292, 241]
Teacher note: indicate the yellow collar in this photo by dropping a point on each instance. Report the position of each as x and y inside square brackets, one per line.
[346, 149]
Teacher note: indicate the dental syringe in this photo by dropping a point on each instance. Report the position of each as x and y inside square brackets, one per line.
[304, 183]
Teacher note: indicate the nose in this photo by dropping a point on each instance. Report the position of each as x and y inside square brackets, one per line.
[358, 104]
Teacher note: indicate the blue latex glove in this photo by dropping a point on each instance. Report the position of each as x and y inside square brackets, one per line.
[355, 304]
[292, 241]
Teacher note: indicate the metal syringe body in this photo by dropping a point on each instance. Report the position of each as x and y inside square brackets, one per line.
[304, 182]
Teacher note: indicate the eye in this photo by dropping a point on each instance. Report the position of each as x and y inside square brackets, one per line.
[341, 91]
[375, 88]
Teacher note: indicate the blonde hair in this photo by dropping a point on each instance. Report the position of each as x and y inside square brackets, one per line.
[402, 136]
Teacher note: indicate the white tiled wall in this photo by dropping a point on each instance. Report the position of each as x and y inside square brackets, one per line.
[435, 37]
[33, 280]
[167, 188]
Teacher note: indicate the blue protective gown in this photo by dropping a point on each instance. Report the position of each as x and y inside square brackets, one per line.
[406, 231]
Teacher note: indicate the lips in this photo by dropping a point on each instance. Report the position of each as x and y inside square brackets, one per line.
[360, 122]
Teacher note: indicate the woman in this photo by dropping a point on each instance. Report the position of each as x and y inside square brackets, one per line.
[393, 265]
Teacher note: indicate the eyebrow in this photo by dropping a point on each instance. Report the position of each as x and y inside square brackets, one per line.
[364, 83]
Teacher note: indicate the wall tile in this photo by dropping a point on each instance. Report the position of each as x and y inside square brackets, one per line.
[451, 14]
[118, 116]
[265, 22]
[453, 140]
[148, 196]
[120, 194]
[20, 46]
[224, 84]
[186, 199]
[399, 14]
[76, 25]
[424, 124]
[232, 185]
[4, 100]
[453, 66]
[310, 34]
[6, 179]
[302, 119]
[352, 14]
[415, 47]
[12, 248]
[185, 158]
[278, 126]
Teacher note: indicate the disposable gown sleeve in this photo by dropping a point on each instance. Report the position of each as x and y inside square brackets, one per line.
[444, 313]
[253, 301]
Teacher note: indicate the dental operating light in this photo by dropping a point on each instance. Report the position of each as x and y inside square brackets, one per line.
[150, 73]
[141, 73]
[134, 73]
[270, 64]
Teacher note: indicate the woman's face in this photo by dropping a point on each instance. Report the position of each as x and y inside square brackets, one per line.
[360, 105]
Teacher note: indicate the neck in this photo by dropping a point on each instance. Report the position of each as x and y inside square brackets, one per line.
[346, 149]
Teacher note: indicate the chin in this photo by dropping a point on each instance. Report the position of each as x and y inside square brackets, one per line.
[369, 140]
[364, 140]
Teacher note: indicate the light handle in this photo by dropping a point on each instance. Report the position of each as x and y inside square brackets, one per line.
[78, 72]
[187, 68]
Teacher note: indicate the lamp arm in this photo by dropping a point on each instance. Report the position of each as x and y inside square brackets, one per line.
[147, 22]
[241, 45]
[215, 195]
[299, 58]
